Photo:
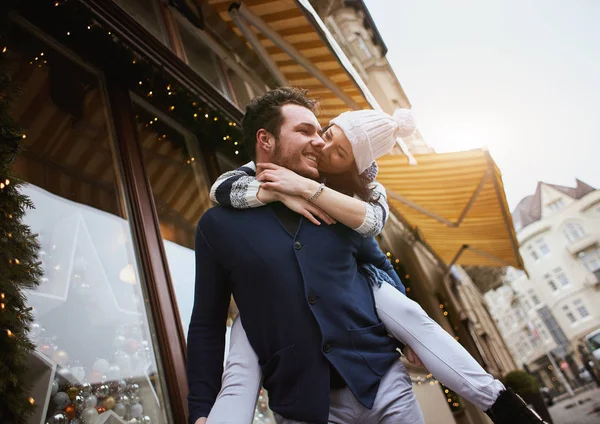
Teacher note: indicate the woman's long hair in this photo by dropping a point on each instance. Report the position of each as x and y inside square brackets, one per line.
[351, 184]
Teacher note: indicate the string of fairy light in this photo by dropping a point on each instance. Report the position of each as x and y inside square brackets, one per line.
[452, 398]
[3, 300]
[11, 262]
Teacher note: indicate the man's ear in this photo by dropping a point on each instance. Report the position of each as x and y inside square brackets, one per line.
[265, 141]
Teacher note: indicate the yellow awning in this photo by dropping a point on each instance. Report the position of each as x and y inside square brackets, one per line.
[297, 24]
[456, 204]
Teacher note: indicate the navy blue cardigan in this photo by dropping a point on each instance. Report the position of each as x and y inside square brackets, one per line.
[303, 302]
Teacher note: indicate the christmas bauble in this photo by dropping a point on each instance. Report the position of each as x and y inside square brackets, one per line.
[109, 402]
[72, 392]
[101, 410]
[54, 387]
[134, 398]
[101, 365]
[114, 372]
[136, 410]
[133, 388]
[121, 386]
[70, 411]
[60, 357]
[133, 421]
[146, 420]
[120, 409]
[78, 372]
[102, 391]
[61, 399]
[79, 402]
[124, 399]
[91, 401]
[60, 418]
[86, 389]
[89, 415]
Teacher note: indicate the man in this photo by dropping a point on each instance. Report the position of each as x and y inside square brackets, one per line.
[308, 313]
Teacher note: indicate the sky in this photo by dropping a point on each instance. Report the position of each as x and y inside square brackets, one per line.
[521, 78]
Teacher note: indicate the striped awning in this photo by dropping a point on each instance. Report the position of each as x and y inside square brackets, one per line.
[296, 22]
[455, 203]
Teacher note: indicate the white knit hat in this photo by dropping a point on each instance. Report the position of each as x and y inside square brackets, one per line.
[372, 133]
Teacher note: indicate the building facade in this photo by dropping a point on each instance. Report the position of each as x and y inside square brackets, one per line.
[549, 311]
[352, 26]
[495, 354]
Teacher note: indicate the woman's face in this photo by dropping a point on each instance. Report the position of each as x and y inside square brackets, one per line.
[337, 156]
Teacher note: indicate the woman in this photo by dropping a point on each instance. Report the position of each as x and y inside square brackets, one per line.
[353, 141]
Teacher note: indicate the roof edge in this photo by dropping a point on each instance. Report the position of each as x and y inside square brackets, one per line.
[314, 18]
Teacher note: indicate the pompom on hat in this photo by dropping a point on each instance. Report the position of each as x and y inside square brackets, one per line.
[373, 133]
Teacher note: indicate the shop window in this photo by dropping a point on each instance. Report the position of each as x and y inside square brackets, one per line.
[147, 13]
[203, 60]
[93, 336]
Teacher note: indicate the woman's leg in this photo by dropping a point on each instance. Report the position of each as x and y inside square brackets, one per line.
[443, 356]
[240, 384]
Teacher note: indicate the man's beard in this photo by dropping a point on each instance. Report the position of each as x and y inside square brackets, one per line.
[293, 163]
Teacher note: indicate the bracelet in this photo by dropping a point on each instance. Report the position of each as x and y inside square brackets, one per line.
[317, 193]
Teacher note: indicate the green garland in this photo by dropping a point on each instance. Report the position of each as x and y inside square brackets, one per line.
[19, 267]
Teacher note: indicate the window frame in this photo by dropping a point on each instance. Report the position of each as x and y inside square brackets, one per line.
[573, 231]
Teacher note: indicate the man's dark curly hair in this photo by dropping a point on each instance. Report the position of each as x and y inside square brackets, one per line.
[264, 111]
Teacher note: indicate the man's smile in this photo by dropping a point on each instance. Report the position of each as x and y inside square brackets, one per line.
[311, 156]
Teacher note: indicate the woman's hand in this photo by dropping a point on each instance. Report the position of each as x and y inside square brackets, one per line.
[305, 208]
[412, 357]
[275, 177]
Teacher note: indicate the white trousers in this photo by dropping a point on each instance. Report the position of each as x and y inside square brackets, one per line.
[404, 319]
[395, 403]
